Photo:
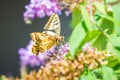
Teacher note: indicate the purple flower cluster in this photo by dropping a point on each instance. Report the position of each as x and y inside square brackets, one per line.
[40, 8]
[63, 49]
[29, 58]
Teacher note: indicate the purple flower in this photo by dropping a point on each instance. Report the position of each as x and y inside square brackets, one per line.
[63, 49]
[58, 52]
[40, 8]
[28, 58]
[51, 52]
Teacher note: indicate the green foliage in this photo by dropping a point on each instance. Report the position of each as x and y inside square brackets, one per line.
[114, 63]
[88, 76]
[76, 17]
[101, 42]
[101, 30]
[116, 16]
[103, 73]
[90, 36]
[107, 24]
[108, 74]
[86, 17]
[76, 38]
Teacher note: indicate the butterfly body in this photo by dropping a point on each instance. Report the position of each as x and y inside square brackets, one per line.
[46, 39]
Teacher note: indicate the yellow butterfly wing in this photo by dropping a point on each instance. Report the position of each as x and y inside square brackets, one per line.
[53, 24]
[42, 42]
[36, 36]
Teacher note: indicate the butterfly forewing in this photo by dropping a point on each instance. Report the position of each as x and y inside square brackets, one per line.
[36, 36]
[53, 24]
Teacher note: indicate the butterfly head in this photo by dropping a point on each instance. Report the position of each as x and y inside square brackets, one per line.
[61, 38]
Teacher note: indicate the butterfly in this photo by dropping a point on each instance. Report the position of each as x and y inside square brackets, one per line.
[49, 37]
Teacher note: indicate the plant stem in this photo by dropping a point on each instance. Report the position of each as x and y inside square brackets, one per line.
[105, 5]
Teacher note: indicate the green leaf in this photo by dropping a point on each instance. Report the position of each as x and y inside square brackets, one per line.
[86, 18]
[90, 35]
[108, 74]
[116, 12]
[88, 76]
[101, 42]
[110, 19]
[76, 16]
[98, 74]
[107, 24]
[99, 7]
[77, 36]
[103, 14]
[115, 40]
[113, 62]
[116, 50]
[116, 15]
[114, 45]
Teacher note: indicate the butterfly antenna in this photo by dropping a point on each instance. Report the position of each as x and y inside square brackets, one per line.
[64, 41]
[65, 31]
